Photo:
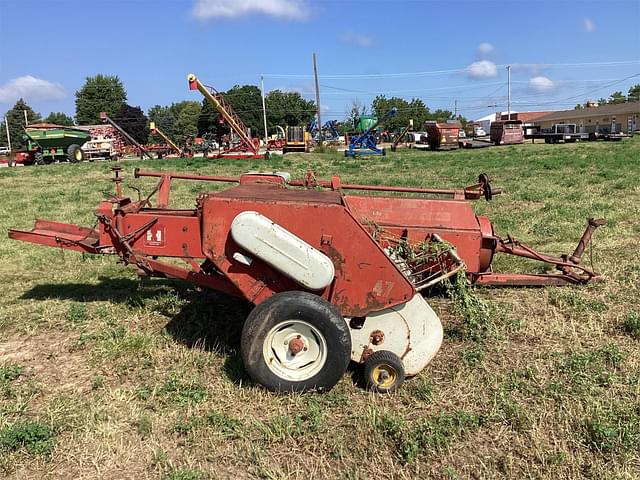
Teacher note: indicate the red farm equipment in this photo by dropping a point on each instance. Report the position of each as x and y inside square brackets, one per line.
[243, 146]
[321, 266]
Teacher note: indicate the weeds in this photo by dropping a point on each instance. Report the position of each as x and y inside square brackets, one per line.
[632, 325]
[611, 430]
[35, 437]
[11, 372]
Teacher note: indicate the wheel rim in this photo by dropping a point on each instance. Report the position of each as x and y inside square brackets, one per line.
[295, 350]
[384, 375]
[78, 155]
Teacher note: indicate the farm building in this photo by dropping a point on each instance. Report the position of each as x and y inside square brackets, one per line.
[621, 117]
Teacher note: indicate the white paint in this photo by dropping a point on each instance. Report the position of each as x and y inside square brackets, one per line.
[412, 331]
[282, 250]
[303, 365]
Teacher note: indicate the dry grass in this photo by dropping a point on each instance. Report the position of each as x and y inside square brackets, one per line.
[104, 376]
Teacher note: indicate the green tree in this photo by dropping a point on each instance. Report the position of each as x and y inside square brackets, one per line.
[102, 93]
[59, 118]
[602, 101]
[164, 119]
[15, 119]
[634, 93]
[414, 110]
[246, 102]
[187, 121]
[288, 108]
[353, 112]
[578, 107]
[617, 97]
[134, 122]
[440, 115]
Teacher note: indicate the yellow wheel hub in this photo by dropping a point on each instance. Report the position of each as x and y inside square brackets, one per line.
[78, 155]
[384, 375]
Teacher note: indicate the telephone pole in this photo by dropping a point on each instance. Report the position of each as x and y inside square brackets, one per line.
[315, 74]
[509, 91]
[6, 124]
[26, 122]
[264, 112]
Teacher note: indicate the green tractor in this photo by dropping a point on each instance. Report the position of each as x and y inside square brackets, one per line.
[50, 144]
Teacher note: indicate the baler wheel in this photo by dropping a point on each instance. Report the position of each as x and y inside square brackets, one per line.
[383, 372]
[38, 158]
[295, 342]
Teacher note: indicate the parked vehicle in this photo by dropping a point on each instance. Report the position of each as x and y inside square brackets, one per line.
[508, 132]
[442, 136]
[560, 132]
[5, 151]
[47, 143]
[479, 132]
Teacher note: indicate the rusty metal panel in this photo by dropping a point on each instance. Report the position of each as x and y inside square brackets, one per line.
[168, 236]
[366, 278]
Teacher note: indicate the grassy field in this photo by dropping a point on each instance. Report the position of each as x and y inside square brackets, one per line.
[105, 376]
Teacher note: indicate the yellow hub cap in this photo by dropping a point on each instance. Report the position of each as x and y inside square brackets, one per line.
[384, 375]
[78, 155]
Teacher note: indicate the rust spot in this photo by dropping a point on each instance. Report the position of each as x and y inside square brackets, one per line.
[295, 346]
[377, 337]
[366, 353]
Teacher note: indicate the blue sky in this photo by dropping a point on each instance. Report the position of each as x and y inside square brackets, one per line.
[562, 52]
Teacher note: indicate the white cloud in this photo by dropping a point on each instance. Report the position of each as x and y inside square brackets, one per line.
[485, 49]
[287, 9]
[588, 25]
[357, 39]
[30, 88]
[482, 69]
[541, 84]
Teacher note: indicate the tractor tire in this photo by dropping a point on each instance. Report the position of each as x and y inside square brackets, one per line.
[75, 154]
[384, 152]
[383, 372]
[38, 158]
[295, 342]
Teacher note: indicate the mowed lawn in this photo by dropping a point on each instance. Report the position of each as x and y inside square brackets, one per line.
[106, 376]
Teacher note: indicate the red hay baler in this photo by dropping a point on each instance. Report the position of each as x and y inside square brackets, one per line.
[324, 269]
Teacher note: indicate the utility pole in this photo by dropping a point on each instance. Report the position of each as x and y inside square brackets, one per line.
[315, 74]
[455, 109]
[6, 124]
[264, 112]
[26, 122]
[509, 91]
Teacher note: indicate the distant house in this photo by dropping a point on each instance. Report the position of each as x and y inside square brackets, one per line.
[621, 117]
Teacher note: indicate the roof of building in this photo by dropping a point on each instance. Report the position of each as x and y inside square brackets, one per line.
[526, 116]
[609, 109]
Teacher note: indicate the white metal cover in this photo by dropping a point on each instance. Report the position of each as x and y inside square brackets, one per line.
[282, 250]
[412, 331]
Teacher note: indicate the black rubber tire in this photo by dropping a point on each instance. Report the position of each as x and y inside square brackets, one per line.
[384, 152]
[38, 158]
[312, 309]
[389, 360]
[72, 154]
[346, 153]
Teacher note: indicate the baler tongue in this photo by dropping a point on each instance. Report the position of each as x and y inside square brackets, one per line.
[63, 235]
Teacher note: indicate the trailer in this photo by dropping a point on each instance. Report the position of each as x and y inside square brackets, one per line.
[335, 277]
[442, 136]
[508, 132]
[561, 132]
[48, 143]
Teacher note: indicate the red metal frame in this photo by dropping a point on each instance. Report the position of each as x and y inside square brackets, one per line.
[341, 226]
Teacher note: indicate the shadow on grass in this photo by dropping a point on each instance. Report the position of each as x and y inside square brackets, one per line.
[205, 319]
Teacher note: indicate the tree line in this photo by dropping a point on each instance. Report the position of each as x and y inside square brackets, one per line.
[633, 95]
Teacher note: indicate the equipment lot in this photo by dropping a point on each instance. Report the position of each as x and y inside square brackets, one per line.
[145, 377]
